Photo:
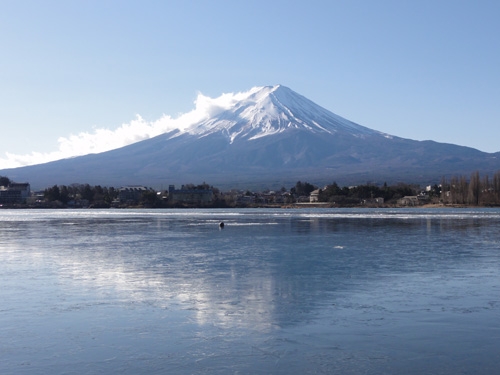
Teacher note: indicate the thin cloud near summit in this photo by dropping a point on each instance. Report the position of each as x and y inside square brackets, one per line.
[138, 129]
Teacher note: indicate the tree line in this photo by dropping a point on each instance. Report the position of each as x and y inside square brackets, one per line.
[97, 196]
[352, 195]
[476, 191]
[457, 190]
[5, 181]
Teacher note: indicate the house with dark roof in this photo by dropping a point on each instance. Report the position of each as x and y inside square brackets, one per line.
[131, 194]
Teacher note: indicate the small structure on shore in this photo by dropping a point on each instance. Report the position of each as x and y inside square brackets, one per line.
[190, 195]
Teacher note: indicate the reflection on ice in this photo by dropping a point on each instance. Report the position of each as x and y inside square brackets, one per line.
[276, 291]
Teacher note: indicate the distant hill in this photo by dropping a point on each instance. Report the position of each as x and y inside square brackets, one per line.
[272, 137]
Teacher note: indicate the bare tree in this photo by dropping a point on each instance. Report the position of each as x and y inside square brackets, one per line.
[486, 191]
[496, 187]
[474, 189]
[445, 190]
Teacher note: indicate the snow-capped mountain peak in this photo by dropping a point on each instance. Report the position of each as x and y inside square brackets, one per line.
[266, 137]
[268, 110]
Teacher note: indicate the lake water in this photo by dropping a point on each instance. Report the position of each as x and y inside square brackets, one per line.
[309, 291]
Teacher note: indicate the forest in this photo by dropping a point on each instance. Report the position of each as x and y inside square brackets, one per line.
[473, 190]
[457, 190]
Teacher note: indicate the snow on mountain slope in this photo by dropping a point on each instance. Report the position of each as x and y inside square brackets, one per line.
[268, 110]
[269, 136]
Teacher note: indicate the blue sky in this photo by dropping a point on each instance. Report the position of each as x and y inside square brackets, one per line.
[74, 71]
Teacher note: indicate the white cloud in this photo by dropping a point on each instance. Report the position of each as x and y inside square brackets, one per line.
[103, 139]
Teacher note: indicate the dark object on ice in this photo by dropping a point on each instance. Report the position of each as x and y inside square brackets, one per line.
[221, 225]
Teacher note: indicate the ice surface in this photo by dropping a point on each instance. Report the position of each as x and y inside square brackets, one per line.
[275, 291]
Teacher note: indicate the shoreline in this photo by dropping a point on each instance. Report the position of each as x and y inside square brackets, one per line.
[275, 206]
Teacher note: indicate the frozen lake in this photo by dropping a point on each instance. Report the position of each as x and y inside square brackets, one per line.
[309, 291]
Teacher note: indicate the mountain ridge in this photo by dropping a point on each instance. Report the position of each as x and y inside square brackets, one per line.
[268, 136]
[268, 105]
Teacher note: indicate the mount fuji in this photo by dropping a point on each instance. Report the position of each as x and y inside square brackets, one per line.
[269, 137]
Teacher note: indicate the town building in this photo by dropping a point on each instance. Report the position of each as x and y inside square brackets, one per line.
[14, 193]
[131, 194]
[190, 196]
[314, 196]
[410, 200]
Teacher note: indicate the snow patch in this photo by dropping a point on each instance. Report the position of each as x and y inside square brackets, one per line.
[266, 111]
